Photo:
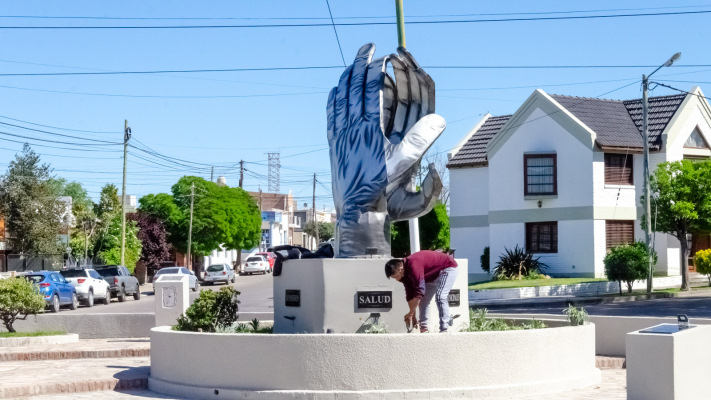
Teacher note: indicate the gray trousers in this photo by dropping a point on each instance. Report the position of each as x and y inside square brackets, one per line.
[439, 289]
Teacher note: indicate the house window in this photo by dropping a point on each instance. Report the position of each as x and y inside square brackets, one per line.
[540, 175]
[618, 169]
[542, 237]
[618, 233]
[696, 140]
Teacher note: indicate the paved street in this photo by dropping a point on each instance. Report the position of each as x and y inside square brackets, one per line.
[694, 307]
[256, 296]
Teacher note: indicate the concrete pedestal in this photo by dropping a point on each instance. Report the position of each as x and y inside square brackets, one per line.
[338, 295]
[668, 366]
[171, 298]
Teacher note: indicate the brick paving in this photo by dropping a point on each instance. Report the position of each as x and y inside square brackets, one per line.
[85, 348]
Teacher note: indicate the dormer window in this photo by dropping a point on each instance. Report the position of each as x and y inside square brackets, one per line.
[696, 140]
[540, 174]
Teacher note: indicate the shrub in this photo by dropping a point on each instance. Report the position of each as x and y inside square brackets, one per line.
[627, 263]
[479, 322]
[484, 259]
[211, 312]
[576, 316]
[702, 261]
[18, 299]
[516, 263]
[377, 328]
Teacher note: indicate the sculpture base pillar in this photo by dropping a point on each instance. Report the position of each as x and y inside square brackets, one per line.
[347, 295]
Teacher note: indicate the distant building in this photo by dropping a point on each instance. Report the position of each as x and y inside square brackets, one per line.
[130, 203]
[279, 223]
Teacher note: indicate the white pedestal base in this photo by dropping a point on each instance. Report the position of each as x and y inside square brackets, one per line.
[171, 298]
[328, 291]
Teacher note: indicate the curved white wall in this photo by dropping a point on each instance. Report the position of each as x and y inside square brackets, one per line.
[277, 366]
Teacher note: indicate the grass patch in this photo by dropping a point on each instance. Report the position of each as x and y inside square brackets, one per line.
[31, 334]
[532, 283]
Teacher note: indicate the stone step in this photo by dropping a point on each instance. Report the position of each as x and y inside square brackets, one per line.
[29, 378]
[84, 349]
[604, 362]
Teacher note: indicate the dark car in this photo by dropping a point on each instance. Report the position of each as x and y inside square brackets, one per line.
[121, 282]
[56, 290]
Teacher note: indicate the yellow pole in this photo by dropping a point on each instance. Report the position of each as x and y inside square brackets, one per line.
[400, 23]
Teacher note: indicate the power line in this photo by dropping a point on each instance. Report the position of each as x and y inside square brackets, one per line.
[55, 127]
[57, 134]
[336, 33]
[312, 25]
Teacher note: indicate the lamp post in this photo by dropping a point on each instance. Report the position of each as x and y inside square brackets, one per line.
[645, 172]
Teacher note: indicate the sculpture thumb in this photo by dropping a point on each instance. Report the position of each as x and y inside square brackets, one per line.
[400, 157]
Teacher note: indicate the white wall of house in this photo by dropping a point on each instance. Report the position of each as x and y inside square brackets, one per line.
[469, 232]
[510, 209]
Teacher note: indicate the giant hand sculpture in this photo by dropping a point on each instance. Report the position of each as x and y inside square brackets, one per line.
[378, 130]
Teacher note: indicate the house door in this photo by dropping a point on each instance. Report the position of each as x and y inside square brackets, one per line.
[698, 242]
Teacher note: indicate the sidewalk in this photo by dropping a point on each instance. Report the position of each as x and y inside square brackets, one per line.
[118, 369]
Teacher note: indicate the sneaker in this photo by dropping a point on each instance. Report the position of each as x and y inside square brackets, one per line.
[424, 330]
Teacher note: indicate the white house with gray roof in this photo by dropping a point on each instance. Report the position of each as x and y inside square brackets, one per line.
[562, 177]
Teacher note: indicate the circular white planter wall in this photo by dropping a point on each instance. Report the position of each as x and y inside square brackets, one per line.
[481, 364]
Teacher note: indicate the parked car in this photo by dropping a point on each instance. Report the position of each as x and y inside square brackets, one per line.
[121, 282]
[219, 273]
[193, 281]
[88, 284]
[269, 256]
[56, 290]
[256, 264]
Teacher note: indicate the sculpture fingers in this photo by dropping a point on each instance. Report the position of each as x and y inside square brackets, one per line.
[400, 157]
[331, 115]
[375, 91]
[356, 92]
[388, 104]
[341, 102]
[402, 92]
[405, 204]
[426, 84]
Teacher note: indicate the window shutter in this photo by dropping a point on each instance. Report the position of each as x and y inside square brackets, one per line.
[618, 169]
[619, 232]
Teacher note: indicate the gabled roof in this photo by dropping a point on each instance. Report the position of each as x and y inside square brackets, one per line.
[616, 123]
[474, 150]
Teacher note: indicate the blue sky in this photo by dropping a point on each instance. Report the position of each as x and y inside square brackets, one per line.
[201, 119]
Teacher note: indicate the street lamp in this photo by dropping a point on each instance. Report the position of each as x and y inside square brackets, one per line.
[645, 172]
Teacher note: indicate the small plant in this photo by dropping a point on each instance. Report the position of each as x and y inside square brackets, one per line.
[576, 316]
[533, 324]
[627, 263]
[702, 262]
[377, 328]
[254, 324]
[485, 261]
[479, 322]
[516, 263]
[241, 328]
[18, 299]
[211, 311]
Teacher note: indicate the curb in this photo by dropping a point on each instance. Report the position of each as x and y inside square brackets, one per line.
[75, 387]
[22, 341]
[72, 354]
[566, 301]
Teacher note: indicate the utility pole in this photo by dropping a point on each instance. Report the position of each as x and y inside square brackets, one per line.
[315, 219]
[126, 137]
[212, 174]
[645, 172]
[241, 173]
[190, 228]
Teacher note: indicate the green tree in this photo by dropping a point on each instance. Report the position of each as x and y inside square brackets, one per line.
[30, 205]
[702, 261]
[434, 232]
[222, 216]
[18, 299]
[681, 200]
[627, 263]
[325, 230]
[109, 249]
[83, 211]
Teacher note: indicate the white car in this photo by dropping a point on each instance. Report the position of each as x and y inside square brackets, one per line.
[192, 279]
[89, 285]
[219, 273]
[256, 264]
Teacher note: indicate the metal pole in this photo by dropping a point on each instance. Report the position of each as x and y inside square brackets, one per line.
[126, 136]
[241, 173]
[645, 173]
[190, 228]
[400, 23]
[314, 206]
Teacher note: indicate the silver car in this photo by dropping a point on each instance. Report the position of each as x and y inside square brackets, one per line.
[193, 281]
[219, 273]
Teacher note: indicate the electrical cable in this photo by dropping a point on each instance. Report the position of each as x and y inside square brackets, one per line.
[336, 33]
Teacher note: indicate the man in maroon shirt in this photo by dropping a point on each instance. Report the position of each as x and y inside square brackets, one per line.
[425, 274]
